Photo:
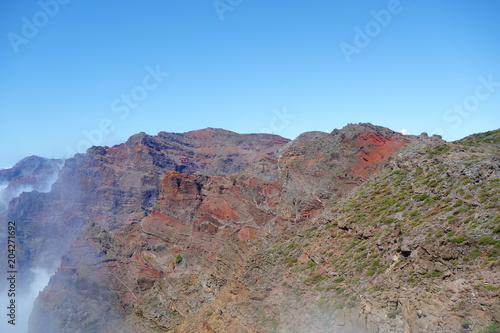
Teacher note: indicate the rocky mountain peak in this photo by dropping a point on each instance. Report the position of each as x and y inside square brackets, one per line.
[359, 230]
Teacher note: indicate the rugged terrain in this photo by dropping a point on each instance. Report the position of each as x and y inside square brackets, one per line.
[31, 173]
[358, 230]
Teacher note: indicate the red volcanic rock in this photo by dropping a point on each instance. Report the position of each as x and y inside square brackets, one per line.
[247, 234]
[375, 149]
[213, 202]
[180, 186]
[172, 216]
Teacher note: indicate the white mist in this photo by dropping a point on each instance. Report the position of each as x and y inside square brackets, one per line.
[24, 300]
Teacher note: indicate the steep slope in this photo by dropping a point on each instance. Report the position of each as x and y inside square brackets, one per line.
[175, 258]
[31, 173]
[358, 230]
[112, 185]
[413, 249]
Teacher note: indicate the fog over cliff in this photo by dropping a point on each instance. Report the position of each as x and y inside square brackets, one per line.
[29, 175]
[25, 298]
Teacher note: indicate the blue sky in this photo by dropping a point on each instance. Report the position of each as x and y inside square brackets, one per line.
[75, 73]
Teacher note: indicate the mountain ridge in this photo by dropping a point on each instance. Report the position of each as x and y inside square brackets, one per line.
[163, 233]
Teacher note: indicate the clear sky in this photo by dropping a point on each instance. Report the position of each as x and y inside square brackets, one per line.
[75, 73]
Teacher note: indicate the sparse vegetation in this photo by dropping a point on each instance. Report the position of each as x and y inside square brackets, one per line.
[457, 240]
[486, 240]
[178, 259]
[491, 328]
[394, 314]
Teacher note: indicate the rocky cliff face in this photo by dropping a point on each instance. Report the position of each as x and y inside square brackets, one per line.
[358, 230]
[30, 174]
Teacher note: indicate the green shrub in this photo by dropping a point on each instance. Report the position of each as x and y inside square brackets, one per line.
[178, 259]
[311, 264]
[390, 220]
[486, 286]
[361, 248]
[340, 291]
[393, 314]
[339, 279]
[422, 197]
[339, 306]
[315, 278]
[290, 261]
[457, 240]
[370, 272]
[486, 240]
[331, 225]
[475, 254]
[436, 274]
[491, 328]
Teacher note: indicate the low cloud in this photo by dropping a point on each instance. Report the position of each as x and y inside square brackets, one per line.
[28, 284]
[9, 190]
[25, 298]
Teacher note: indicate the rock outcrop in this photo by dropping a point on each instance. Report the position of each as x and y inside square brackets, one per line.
[358, 230]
